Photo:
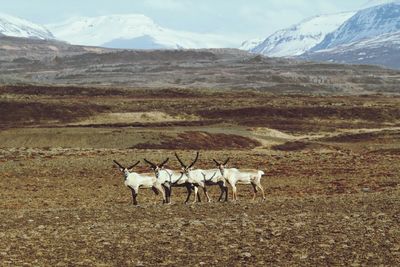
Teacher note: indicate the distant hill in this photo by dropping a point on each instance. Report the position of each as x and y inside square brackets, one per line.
[48, 62]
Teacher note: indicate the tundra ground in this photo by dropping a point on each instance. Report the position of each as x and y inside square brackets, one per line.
[332, 177]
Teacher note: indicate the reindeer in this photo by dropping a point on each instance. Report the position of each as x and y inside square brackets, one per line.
[233, 176]
[199, 177]
[170, 178]
[213, 177]
[194, 180]
[134, 181]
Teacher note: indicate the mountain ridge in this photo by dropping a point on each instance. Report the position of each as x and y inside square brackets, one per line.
[128, 30]
[299, 38]
[369, 36]
[17, 27]
[367, 23]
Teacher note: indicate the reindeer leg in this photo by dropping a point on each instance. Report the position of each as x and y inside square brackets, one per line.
[221, 187]
[167, 193]
[226, 193]
[255, 191]
[134, 195]
[155, 190]
[196, 194]
[189, 190]
[234, 190]
[159, 188]
[262, 190]
[206, 193]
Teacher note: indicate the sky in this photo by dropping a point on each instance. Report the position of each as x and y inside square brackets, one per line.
[238, 19]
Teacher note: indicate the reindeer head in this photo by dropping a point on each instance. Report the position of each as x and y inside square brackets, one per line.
[186, 168]
[221, 166]
[126, 170]
[156, 168]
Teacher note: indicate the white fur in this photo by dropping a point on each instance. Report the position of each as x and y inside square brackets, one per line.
[135, 181]
[170, 178]
[249, 177]
[209, 177]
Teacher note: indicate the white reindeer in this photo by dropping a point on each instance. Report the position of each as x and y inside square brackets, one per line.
[202, 178]
[233, 176]
[134, 181]
[193, 180]
[214, 177]
[170, 178]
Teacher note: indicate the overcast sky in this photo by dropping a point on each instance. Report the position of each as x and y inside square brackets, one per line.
[241, 19]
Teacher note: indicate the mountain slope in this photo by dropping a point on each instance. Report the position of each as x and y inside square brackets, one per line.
[131, 31]
[250, 44]
[380, 50]
[367, 23]
[27, 49]
[372, 36]
[373, 3]
[301, 37]
[16, 27]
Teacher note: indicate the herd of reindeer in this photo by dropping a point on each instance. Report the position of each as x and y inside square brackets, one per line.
[162, 180]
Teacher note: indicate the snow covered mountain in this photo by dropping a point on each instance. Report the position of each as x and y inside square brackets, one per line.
[367, 23]
[131, 31]
[379, 50]
[372, 36]
[301, 37]
[368, 36]
[250, 44]
[373, 3]
[16, 27]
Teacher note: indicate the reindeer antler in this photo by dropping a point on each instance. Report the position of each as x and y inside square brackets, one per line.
[150, 163]
[180, 161]
[226, 161]
[197, 156]
[134, 165]
[116, 162]
[163, 163]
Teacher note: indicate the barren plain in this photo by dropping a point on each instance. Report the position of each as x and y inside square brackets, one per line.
[327, 137]
[331, 163]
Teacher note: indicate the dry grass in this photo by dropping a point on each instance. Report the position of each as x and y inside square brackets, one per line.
[332, 194]
[133, 117]
[322, 208]
[202, 141]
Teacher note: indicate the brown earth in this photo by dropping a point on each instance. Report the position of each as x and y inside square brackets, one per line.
[25, 61]
[202, 141]
[333, 190]
[21, 106]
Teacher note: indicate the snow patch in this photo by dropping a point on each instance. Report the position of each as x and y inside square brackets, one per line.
[364, 25]
[301, 37]
[132, 31]
[17, 27]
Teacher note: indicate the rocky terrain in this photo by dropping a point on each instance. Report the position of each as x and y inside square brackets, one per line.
[55, 63]
[331, 166]
[327, 136]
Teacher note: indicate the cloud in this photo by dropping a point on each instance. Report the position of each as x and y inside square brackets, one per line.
[165, 4]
